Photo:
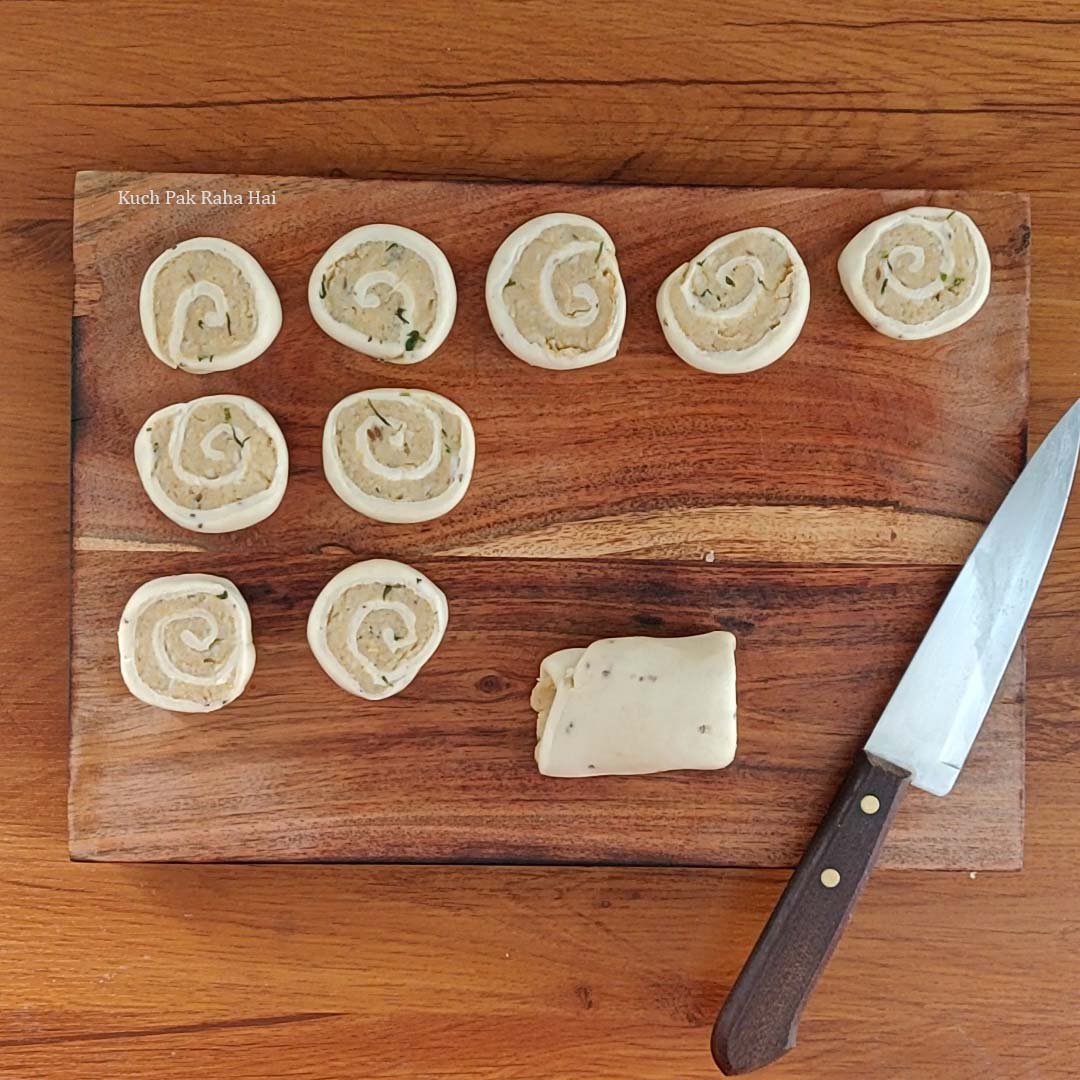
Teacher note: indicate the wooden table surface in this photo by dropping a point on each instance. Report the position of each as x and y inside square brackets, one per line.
[345, 971]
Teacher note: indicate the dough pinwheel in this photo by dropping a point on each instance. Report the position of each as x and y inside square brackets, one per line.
[375, 625]
[917, 273]
[207, 305]
[385, 291]
[398, 455]
[738, 305]
[185, 643]
[554, 293]
[215, 464]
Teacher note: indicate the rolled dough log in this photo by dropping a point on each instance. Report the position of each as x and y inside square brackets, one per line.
[637, 705]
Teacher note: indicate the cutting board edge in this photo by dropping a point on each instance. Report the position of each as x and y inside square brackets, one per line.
[84, 178]
[81, 851]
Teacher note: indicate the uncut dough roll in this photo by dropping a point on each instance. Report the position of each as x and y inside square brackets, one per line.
[554, 293]
[385, 291]
[633, 705]
[375, 625]
[216, 464]
[917, 273]
[737, 306]
[207, 305]
[185, 643]
[399, 455]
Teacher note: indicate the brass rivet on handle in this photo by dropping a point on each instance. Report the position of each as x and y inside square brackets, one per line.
[830, 878]
[869, 804]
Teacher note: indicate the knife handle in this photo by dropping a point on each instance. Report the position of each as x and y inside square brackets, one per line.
[760, 1017]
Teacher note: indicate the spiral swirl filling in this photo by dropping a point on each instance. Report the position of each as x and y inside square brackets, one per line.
[204, 307]
[186, 647]
[398, 448]
[377, 631]
[209, 455]
[384, 290]
[731, 298]
[920, 268]
[561, 292]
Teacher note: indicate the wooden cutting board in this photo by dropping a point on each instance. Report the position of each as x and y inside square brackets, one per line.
[835, 494]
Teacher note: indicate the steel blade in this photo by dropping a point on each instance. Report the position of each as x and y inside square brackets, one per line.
[941, 701]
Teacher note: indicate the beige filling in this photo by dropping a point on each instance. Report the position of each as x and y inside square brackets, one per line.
[207, 658]
[400, 436]
[953, 287]
[522, 290]
[556, 671]
[379, 633]
[716, 291]
[541, 699]
[249, 456]
[201, 341]
[391, 319]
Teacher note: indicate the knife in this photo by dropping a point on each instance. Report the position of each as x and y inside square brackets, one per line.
[922, 738]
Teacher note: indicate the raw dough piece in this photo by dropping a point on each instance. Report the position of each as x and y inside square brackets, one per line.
[185, 643]
[917, 273]
[554, 293]
[215, 464]
[207, 305]
[738, 305]
[399, 455]
[375, 625]
[384, 291]
[637, 705]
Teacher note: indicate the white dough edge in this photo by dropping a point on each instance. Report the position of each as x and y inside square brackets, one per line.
[558, 669]
[445, 291]
[852, 263]
[379, 572]
[222, 519]
[170, 586]
[267, 305]
[503, 262]
[764, 352]
[396, 511]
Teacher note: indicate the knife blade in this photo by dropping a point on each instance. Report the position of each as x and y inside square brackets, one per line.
[922, 738]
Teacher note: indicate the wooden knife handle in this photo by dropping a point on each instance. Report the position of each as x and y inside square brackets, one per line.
[760, 1018]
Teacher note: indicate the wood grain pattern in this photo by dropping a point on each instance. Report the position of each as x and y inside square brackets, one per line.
[298, 770]
[900, 437]
[481, 973]
[896, 449]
